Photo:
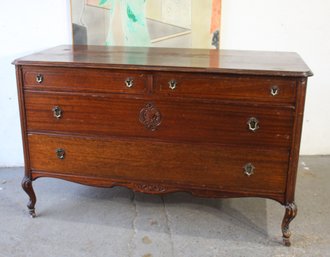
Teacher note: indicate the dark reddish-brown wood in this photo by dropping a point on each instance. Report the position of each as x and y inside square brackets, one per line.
[171, 59]
[125, 159]
[156, 120]
[116, 116]
[253, 88]
[81, 80]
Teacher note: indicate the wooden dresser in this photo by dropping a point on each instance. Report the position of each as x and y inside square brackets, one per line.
[212, 123]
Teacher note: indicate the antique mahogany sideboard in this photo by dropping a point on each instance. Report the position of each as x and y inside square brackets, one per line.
[212, 123]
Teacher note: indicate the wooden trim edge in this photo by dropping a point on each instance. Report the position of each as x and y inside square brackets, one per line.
[158, 188]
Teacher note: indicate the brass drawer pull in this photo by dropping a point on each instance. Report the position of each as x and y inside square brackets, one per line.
[129, 82]
[60, 153]
[253, 124]
[39, 78]
[57, 111]
[274, 90]
[249, 169]
[172, 84]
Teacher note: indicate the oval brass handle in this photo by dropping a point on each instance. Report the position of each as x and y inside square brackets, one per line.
[172, 84]
[253, 124]
[249, 169]
[57, 111]
[129, 82]
[39, 78]
[274, 90]
[60, 153]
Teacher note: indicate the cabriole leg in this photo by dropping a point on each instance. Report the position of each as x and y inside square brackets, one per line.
[27, 187]
[290, 214]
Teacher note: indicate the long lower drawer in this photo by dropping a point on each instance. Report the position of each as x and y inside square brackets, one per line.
[202, 165]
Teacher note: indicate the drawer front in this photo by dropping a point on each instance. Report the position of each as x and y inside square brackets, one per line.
[226, 87]
[187, 164]
[178, 121]
[89, 80]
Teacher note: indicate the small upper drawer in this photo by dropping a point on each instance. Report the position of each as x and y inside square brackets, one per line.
[226, 87]
[84, 80]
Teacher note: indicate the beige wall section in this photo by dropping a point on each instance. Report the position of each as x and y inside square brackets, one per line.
[154, 9]
[77, 7]
[177, 12]
[95, 19]
[201, 12]
[96, 3]
[116, 23]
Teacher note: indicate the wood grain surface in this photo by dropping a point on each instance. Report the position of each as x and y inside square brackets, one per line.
[83, 123]
[152, 59]
[158, 162]
[180, 121]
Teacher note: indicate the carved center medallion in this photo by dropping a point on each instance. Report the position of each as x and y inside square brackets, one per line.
[150, 117]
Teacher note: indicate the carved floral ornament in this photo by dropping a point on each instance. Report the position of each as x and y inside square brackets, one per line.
[151, 188]
[150, 117]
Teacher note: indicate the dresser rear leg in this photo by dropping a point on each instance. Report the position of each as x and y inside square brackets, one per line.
[290, 214]
[27, 186]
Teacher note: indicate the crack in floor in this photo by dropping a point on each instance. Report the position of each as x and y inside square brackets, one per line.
[130, 243]
[168, 226]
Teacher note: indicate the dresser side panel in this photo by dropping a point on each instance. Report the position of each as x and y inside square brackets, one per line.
[295, 148]
[21, 102]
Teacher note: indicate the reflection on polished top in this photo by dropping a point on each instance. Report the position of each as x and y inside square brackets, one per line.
[204, 60]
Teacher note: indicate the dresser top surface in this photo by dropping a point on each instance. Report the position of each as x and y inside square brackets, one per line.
[171, 59]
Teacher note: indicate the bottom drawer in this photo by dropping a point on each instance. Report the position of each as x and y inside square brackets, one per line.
[200, 165]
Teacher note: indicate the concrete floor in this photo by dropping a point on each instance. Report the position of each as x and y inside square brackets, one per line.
[75, 220]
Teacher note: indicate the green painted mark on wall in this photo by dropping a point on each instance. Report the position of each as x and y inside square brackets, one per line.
[128, 24]
[102, 2]
[130, 14]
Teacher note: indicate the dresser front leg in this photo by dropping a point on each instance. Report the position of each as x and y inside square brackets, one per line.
[290, 214]
[27, 187]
